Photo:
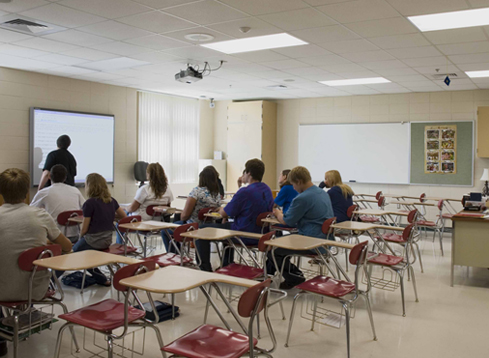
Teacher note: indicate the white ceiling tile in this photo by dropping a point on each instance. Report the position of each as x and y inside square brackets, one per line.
[298, 19]
[206, 12]
[194, 52]
[368, 56]
[61, 59]
[180, 35]
[423, 83]
[247, 67]
[427, 61]
[114, 64]
[156, 21]
[421, 7]
[284, 64]
[376, 65]
[325, 60]
[157, 42]
[430, 70]
[406, 78]
[400, 41]
[307, 71]
[18, 6]
[98, 76]
[120, 48]
[361, 90]
[361, 10]
[114, 30]
[7, 36]
[415, 52]
[456, 36]
[347, 67]
[464, 48]
[257, 28]
[89, 54]
[233, 75]
[377, 28]
[331, 92]
[20, 51]
[46, 45]
[323, 2]
[341, 47]
[110, 9]
[62, 16]
[302, 51]
[325, 34]
[69, 70]
[258, 7]
[77, 37]
[395, 71]
[161, 4]
[24, 63]
[261, 56]
[155, 57]
[359, 74]
[474, 66]
[469, 58]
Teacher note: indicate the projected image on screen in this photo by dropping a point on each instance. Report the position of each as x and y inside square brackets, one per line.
[92, 141]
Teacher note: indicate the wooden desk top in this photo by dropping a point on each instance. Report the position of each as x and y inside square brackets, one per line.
[301, 242]
[365, 195]
[366, 200]
[471, 216]
[210, 233]
[213, 215]
[395, 212]
[270, 221]
[166, 210]
[411, 203]
[354, 225]
[148, 225]
[176, 279]
[388, 227]
[372, 212]
[76, 219]
[83, 260]
[438, 199]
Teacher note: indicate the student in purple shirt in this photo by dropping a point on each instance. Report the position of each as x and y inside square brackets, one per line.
[245, 206]
[99, 213]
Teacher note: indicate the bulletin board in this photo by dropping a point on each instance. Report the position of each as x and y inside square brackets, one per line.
[453, 165]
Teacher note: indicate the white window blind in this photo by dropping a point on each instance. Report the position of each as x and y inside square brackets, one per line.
[169, 134]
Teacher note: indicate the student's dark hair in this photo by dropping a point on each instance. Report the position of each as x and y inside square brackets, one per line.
[63, 141]
[158, 182]
[208, 179]
[256, 168]
[58, 173]
[14, 185]
[285, 173]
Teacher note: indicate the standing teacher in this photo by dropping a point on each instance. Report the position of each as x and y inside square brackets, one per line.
[60, 156]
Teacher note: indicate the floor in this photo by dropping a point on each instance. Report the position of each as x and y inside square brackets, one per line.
[446, 322]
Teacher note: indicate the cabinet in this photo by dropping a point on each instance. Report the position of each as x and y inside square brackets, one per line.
[251, 133]
[483, 132]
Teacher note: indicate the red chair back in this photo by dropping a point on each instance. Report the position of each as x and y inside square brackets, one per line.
[204, 211]
[262, 216]
[356, 253]
[63, 217]
[440, 205]
[350, 211]
[381, 201]
[127, 220]
[129, 271]
[422, 198]
[412, 216]
[261, 244]
[27, 257]
[184, 228]
[249, 299]
[326, 228]
[407, 232]
[378, 195]
[151, 211]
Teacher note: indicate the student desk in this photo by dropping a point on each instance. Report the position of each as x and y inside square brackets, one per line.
[411, 203]
[147, 228]
[470, 241]
[76, 219]
[384, 214]
[166, 210]
[177, 279]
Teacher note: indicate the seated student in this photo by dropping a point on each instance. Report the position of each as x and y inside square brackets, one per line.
[60, 197]
[307, 212]
[287, 192]
[99, 212]
[244, 207]
[341, 195]
[219, 182]
[22, 227]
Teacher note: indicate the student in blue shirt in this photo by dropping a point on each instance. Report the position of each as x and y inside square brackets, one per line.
[244, 207]
[287, 192]
[341, 195]
[308, 211]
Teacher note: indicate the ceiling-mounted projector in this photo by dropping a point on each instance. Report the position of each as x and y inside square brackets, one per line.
[190, 75]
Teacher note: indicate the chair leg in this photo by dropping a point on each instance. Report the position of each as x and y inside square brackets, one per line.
[83, 280]
[72, 330]
[419, 256]
[370, 315]
[291, 321]
[347, 319]
[16, 335]
[282, 309]
[401, 279]
[60, 337]
[158, 337]
[207, 306]
[414, 283]
[314, 313]
[258, 326]
[172, 306]
[110, 347]
[440, 234]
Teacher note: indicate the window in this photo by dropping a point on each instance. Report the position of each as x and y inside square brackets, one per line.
[169, 134]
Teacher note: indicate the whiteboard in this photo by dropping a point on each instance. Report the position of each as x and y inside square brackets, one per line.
[365, 153]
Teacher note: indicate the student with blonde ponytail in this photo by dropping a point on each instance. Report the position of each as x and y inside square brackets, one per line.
[341, 195]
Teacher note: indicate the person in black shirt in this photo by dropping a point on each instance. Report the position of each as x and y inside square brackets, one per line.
[61, 156]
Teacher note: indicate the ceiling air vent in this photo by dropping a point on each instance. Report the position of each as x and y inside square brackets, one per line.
[28, 26]
[441, 76]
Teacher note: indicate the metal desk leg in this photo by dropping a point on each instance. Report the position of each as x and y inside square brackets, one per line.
[213, 304]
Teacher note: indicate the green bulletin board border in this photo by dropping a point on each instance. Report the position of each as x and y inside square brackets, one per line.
[465, 155]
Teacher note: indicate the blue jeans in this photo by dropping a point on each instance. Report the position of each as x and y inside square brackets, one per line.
[170, 248]
[99, 277]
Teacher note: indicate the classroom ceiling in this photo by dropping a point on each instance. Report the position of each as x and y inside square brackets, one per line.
[142, 44]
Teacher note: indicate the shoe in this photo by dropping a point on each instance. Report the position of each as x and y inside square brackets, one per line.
[3, 349]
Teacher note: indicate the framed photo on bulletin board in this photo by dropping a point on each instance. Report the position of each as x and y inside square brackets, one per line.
[440, 149]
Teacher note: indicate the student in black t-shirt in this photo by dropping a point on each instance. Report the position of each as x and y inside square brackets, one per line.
[60, 156]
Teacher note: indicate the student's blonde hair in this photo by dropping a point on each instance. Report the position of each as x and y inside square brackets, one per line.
[334, 179]
[158, 181]
[96, 187]
[299, 174]
[14, 185]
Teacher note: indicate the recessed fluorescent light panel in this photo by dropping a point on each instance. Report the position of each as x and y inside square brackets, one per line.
[451, 20]
[477, 74]
[255, 43]
[355, 81]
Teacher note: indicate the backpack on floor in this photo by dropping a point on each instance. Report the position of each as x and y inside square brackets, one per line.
[164, 311]
[75, 280]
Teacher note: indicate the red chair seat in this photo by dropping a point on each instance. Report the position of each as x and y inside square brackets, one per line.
[426, 223]
[243, 271]
[168, 259]
[369, 219]
[209, 341]
[104, 316]
[393, 238]
[118, 249]
[446, 216]
[384, 259]
[327, 286]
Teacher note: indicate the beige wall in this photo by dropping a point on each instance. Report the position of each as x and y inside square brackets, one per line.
[206, 138]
